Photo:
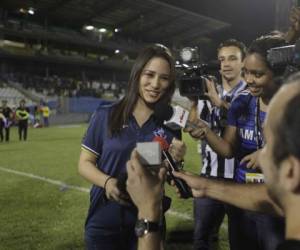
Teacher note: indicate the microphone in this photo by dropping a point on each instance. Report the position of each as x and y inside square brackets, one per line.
[173, 117]
[184, 189]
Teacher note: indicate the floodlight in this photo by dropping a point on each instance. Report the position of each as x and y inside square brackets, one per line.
[89, 27]
[102, 30]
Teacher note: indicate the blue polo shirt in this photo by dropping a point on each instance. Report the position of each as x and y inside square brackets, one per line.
[112, 154]
[241, 115]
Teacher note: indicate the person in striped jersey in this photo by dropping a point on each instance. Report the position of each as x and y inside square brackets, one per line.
[209, 213]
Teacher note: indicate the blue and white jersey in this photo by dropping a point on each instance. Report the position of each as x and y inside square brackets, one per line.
[212, 164]
[244, 114]
[112, 154]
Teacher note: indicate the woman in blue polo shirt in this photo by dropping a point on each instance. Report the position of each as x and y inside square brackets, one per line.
[243, 138]
[112, 134]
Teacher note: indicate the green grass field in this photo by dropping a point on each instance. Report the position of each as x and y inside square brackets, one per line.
[38, 211]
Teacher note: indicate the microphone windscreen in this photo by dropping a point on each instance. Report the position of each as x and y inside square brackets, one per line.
[163, 112]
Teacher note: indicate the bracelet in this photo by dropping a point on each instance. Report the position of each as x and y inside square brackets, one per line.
[108, 178]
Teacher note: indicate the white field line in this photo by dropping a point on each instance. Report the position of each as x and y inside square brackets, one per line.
[69, 126]
[45, 179]
[171, 212]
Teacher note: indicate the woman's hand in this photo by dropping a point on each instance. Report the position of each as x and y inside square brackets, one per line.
[198, 130]
[112, 192]
[252, 160]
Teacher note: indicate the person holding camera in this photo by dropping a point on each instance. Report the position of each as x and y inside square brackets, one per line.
[209, 213]
[280, 163]
[112, 134]
[243, 139]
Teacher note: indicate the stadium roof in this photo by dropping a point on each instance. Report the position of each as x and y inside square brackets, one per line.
[49, 27]
[142, 20]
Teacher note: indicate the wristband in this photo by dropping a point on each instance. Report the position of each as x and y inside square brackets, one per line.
[143, 227]
[108, 178]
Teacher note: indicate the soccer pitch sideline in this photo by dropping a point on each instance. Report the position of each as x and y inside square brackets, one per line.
[44, 201]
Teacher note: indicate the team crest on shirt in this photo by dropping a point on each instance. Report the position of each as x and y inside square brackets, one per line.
[161, 138]
[160, 132]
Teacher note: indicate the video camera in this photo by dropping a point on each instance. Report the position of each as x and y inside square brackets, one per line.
[193, 74]
[193, 80]
[285, 60]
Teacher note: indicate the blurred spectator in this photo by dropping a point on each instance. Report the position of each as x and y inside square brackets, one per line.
[2, 125]
[64, 86]
[22, 115]
[45, 110]
[7, 112]
[37, 117]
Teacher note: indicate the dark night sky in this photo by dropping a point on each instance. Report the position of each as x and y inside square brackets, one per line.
[249, 18]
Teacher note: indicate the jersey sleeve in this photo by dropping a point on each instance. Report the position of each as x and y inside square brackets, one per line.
[235, 110]
[93, 138]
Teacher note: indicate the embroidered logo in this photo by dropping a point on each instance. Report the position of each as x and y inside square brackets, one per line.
[160, 136]
[160, 132]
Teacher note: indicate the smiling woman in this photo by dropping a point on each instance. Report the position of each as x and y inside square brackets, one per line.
[113, 132]
[154, 80]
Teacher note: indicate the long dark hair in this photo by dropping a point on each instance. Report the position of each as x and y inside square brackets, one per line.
[122, 110]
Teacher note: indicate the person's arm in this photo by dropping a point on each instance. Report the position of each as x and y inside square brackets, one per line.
[92, 145]
[223, 146]
[220, 145]
[152, 240]
[226, 145]
[146, 191]
[252, 197]
[27, 113]
[18, 116]
[22, 114]
[87, 169]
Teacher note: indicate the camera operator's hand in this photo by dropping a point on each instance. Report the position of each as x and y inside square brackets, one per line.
[177, 150]
[144, 187]
[294, 30]
[212, 93]
[199, 130]
[252, 160]
[112, 192]
[195, 182]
